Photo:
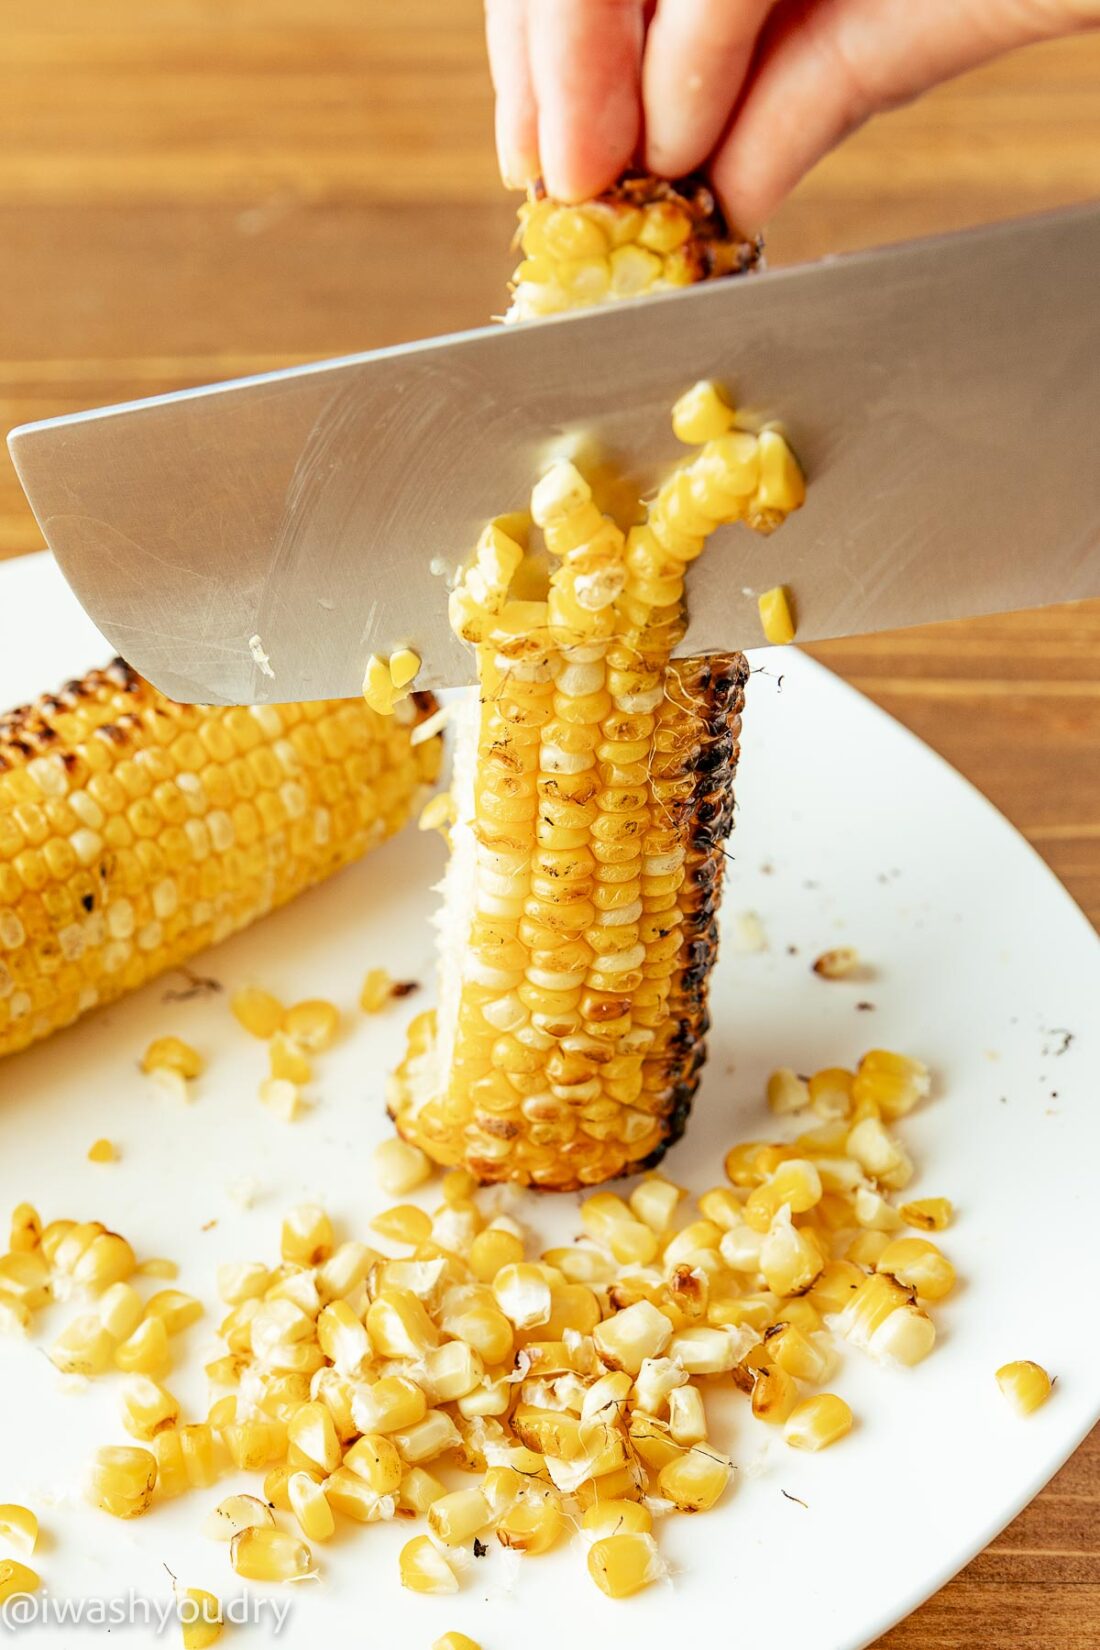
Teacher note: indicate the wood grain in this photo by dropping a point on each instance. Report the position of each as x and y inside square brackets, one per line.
[198, 188]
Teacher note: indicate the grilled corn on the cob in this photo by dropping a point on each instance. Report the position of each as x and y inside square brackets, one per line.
[135, 831]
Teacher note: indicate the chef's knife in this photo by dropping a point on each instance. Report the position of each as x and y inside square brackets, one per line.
[257, 540]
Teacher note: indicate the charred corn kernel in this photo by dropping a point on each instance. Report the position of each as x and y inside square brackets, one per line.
[282, 1097]
[457, 1517]
[533, 1522]
[103, 1151]
[420, 1489]
[831, 1092]
[774, 1395]
[173, 1054]
[307, 1237]
[428, 1439]
[787, 1092]
[776, 616]
[455, 1641]
[147, 1408]
[838, 964]
[352, 1496]
[84, 1347]
[310, 1507]
[18, 1527]
[312, 1432]
[817, 1422]
[882, 1319]
[391, 1404]
[16, 1579]
[424, 1568]
[175, 1310]
[262, 1554]
[491, 1250]
[121, 1480]
[399, 1167]
[398, 1325]
[695, 1480]
[919, 1265]
[257, 1011]
[375, 1459]
[26, 1229]
[287, 1060]
[835, 1285]
[876, 1151]
[794, 1352]
[1025, 1385]
[795, 1183]
[25, 1277]
[892, 1083]
[701, 414]
[200, 1617]
[687, 1421]
[404, 1223]
[624, 1563]
[928, 1214]
[625, 1340]
[523, 1294]
[313, 1025]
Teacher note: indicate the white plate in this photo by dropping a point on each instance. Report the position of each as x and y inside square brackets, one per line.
[849, 831]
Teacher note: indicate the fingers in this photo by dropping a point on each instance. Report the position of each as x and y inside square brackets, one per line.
[825, 66]
[696, 56]
[516, 123]
[585, 58]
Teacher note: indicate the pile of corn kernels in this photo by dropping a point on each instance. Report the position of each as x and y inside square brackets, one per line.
[571, 1386]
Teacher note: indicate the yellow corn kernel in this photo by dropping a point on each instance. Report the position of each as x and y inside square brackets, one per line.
[774, 1395]
[392, 1404]
[787, 1092]
[147, 1408]
[281, 1097]
[269, 1555]
[400, 1167]
[491, 1250]
[16, 1579]
[307, 1238]
[876, 1151]
[254, 1445]
[343, 1339]
[1025, 1385]
[378, 985]
[121, 1480]
[158, 1267]
[172, 1476]
[838, 964]
[654, 1201]
[883, 1320]
[817, 1422]
[919, 1265]
[695, 1480]
[450, 1372]
[310, 1507]
[352, 1496]
[26, 1229]
[831, 1093]
[457, 1517]
[796, 1183]
[793, 1351]
[789, 1258]
[701, 414]
[175, 1310]
[19, 1527]
[458, 1187]
[120, 1310]
[616, 1517]
[404, 1223]
[866, 1247]
[429, 1438]
[891, 1083]
[203, 1460]
[627, 1339]
[776, 616]
[376, 1460]
[312, 1432]
[625, 1563]
[533, 1522]
[522, 1292]
[687, 1421]
[103, 1151]
[424, 1568]
[107, 1259]
[403, 665]
[173, 1054]
[835, 1285]
[455, 1641]
[287, 1060]
[398, 1325]
[928, 1214]
[312, 1024]
[25, 1277]
[235, 1513]
[257, 1011]
[84, 1347]
[200, 1616]
[420, 1489]
[242, 1280]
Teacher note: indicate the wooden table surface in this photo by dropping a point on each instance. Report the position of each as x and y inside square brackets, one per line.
[196, 188]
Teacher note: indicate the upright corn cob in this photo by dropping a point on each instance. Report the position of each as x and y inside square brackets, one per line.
[135, 831]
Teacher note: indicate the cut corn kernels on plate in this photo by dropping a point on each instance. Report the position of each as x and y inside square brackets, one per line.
[945, 991]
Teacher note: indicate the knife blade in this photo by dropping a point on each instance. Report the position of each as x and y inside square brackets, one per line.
[256, 540]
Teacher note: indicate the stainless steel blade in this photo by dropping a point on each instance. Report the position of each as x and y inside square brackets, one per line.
[944, 397]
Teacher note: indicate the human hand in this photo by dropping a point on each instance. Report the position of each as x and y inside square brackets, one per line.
[758, 90]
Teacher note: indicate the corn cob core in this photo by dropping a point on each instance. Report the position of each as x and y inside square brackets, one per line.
[135, 831]
[592, 792]
[644, 235]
